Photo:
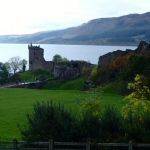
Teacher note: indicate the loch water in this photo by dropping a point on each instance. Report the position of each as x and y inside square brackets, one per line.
[90, 53]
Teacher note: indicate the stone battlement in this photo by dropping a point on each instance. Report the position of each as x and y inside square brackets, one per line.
[31, 47]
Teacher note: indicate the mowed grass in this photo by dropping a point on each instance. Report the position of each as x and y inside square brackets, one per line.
[16, 103]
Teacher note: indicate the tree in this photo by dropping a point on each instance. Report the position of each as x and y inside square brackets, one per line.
[58, 58]
[137, 99]
[16, 64]
[23, 64]
[93, 102]
[7, 64]
[3, 73]
[86, 73]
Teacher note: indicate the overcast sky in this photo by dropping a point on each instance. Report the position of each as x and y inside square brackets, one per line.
[30, 16]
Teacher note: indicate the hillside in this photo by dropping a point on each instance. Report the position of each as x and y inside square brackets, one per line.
[125, 30]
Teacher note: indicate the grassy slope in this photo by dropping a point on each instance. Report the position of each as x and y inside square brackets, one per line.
[32, 74]
[67, 85]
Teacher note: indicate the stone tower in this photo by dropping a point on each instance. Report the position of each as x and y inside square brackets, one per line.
[37, 61]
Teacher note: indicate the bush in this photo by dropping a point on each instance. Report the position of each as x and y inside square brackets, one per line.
[15, 78]
[49, 121]
[110, 125]
[133, 127]
[89, 127]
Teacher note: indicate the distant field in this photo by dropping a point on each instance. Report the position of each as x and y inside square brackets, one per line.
[16, 103]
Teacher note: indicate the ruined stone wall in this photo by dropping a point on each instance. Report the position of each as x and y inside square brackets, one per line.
[70, 70]
[109, 57]
[143, 48]
[48, 66]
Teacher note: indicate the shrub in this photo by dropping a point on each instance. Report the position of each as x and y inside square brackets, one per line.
[133, 127]
[110, 124]
[49, 121]
[89, 127]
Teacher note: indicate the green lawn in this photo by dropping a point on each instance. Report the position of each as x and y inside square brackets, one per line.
[16, 103]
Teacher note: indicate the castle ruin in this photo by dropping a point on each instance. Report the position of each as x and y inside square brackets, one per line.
[37, 61]
[68, 70]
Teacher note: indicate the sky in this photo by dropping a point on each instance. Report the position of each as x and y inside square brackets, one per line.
[31, 16]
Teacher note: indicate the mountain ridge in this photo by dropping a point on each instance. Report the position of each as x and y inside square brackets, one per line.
[124, 30]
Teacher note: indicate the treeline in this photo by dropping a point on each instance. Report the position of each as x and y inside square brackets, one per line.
[13, 65]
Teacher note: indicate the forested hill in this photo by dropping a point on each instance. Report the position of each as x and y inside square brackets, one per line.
[125, 30]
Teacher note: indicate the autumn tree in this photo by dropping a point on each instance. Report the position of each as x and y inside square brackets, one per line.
[137, 101]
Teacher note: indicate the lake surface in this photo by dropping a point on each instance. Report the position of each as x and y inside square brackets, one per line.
[89, 53]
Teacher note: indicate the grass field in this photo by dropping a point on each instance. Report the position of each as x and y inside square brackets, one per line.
[16, 103]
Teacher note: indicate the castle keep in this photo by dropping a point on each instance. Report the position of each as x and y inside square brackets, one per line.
[37, 61]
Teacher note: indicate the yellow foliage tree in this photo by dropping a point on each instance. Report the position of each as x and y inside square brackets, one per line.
[138, 103]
